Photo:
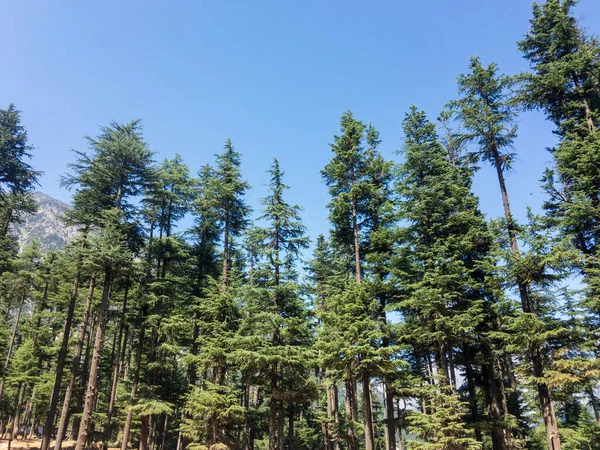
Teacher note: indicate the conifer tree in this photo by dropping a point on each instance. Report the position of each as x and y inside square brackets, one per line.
[327, 274]
[116, 169]
[224, 213]
[564, 84]
[17, 179]
[447, 244]
[354, 190]
[487, 113]
[166, 203]
[278, 310]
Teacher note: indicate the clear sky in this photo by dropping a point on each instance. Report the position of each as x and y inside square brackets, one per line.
[272, 75]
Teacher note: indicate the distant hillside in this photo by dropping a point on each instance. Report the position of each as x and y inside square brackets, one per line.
[45, 226]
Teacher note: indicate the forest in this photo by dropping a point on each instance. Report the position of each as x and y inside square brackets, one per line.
[417, 323]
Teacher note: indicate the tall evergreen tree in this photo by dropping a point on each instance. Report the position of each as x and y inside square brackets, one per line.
[354, 191]
[443, 295]
[487, 112]
[221, 203]
[565, 85]
[17, 179]
[278, 311]
[116, 168]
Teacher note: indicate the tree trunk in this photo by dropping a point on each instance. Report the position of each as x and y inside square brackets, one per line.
[280, 423]
[28, 413]
[368, 414]
[115, 377]
[336, 416]
[225, 256]
[399, 426]
[136, 379]
[164, 432]
[11, 343]
[62, 354]
[495, 410]
[246, 405]
[356, 242]
[291, 429]
[253, 425]
[544, 394]
[594, 404]
[325, 423]
[332, 414]
[92, 385]
[472, 395]
[351, 414]
[14, 431]
[546, 405]
[390, 423]
[84, 373]
[144, 432]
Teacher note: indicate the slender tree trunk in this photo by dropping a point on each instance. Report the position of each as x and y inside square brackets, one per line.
[544, 394]
[62, 354]
[390, 423]
[546, 405]
[495, 409]
[368, 414]
[136, 379]
[273, 404]
[472, 396]
[14, 431]
[92, 385]
[291, 428]
[355, 236]
[115, 377]
[123, 361]
[351, 414]
[511, 228]
[84, 373]
[253, 425]
[144, 432]
[399, 426]
[11, 343]
[325, 423]
[594, 404]
[127, 360]
[280, 424]
[225, 256]
[28, 412]
[586, 106]
[246, 405]
[336, 416]
[147, 424]
[164, 432]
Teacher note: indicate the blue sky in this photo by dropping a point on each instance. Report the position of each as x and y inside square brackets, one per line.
[272, 75]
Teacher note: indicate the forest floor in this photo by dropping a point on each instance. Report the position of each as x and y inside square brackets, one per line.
[32, 444]
[35, 444]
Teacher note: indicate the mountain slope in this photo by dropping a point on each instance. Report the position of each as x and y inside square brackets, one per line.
[45, 226]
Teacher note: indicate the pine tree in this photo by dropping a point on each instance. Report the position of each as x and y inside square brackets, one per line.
[443, 292]
[17, 179]
[487, 113]
[116, 169]
[166, 203]
[223, 212]
[327, 274]
[564, 84]
[278, 314]
[354, 190]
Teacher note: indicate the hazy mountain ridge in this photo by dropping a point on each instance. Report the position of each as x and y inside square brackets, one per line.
[46, 225]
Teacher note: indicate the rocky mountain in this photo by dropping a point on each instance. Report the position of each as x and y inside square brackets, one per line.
[45, 226]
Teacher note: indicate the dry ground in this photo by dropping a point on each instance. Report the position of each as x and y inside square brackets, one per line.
[35, 444]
